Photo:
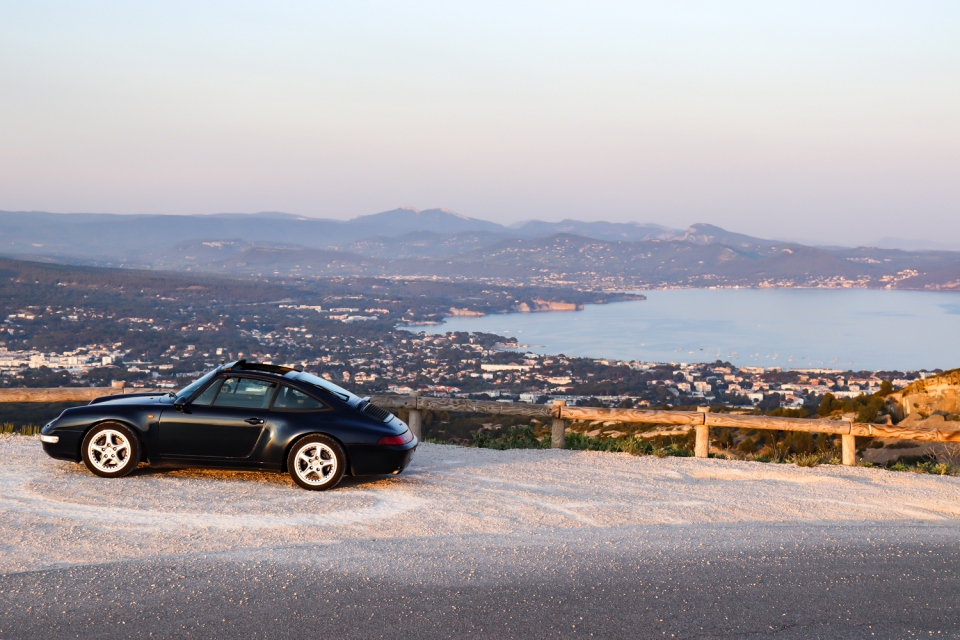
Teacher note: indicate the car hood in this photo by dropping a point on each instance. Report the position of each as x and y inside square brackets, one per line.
[134, 398]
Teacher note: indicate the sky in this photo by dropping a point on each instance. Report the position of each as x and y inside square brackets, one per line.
[835, 122]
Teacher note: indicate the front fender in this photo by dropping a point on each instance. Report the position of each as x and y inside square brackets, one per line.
[73, 424]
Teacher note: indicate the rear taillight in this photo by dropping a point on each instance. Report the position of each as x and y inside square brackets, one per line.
[403, 438]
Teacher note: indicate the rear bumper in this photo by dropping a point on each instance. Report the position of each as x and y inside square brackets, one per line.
[372, 460]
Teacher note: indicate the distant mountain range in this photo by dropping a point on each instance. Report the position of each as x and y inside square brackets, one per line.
[127, 236]
[437, 242]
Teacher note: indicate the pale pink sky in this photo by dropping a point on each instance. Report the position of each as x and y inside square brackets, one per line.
[832, 120]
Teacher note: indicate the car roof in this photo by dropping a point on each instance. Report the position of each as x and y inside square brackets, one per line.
[243, 365]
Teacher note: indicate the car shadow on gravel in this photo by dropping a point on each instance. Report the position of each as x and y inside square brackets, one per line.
[232, 475]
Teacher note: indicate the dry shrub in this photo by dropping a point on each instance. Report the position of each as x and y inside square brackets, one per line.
[947, 453]
[805, 459]
[777, 452]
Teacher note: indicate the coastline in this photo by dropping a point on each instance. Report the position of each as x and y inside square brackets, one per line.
[525, 308]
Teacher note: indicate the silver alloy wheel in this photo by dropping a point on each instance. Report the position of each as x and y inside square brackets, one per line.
[109, 450]
[316, 463]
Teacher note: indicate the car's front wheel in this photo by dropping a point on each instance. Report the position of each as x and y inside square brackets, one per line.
[111, 450]
[316, 463]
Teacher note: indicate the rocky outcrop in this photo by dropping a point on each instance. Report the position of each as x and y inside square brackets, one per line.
[454, 311]
[546, 305]
[937, 395]
[893, 451]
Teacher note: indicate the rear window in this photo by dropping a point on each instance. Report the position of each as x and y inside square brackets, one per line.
[290, 399]
[245, 393]
[327, 387]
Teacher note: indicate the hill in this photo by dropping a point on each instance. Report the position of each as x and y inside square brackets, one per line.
[52, 307]
[440, 243]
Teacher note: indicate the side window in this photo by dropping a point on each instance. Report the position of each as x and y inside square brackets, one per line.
[245, 393]
[289, 399]
[205, 398]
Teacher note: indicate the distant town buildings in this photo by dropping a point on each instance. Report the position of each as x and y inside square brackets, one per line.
[448, 365]
[441, 365]
[75, 362]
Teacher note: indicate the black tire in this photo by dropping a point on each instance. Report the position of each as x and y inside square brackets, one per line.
[110, 450]
[316, 463]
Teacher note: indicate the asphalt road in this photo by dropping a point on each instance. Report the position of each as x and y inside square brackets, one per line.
[740, 581]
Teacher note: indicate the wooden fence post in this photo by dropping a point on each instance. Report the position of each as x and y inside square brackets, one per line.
[415, 419]
[559, 430]
[849, 445]
[702, 447]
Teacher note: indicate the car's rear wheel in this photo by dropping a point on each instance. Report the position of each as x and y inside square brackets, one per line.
[316, 463]
[111, 450]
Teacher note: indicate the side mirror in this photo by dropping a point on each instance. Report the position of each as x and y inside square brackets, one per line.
[179, 405]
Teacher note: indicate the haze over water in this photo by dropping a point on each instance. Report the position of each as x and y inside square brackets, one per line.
[791, 328]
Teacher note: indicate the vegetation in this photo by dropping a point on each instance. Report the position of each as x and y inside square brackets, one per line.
[806, 460]
[529, 437]
[23, 430]
[866, 407]
[521, 437]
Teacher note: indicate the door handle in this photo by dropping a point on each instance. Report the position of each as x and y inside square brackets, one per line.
[254, 421]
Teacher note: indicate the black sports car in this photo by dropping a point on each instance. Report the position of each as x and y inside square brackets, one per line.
[239, 416]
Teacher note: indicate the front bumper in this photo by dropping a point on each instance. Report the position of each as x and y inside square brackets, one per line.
[66, 447]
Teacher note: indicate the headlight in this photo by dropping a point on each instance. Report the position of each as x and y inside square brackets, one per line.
[50, 439]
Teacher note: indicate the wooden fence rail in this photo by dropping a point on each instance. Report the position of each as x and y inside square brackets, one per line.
[560, 414]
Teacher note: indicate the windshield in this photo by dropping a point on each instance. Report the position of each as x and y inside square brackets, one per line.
[190, 389]
[328, 386]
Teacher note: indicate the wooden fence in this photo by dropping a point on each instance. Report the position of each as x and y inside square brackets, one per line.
[560, 415]
[700, 420]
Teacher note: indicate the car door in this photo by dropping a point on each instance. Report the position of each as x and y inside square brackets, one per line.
[224, 422]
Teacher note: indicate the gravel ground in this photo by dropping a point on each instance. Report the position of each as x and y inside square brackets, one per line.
[479, 542]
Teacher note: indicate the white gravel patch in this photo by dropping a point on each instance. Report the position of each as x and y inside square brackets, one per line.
[55, 513]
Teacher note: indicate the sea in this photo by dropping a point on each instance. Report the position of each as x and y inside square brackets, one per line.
[849, 329]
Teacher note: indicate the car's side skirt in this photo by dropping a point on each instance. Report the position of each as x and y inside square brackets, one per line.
[212, 463]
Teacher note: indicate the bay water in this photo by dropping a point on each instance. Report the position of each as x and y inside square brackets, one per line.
[859, 329]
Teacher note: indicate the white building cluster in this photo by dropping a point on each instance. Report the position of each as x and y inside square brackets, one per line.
[76, 362]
